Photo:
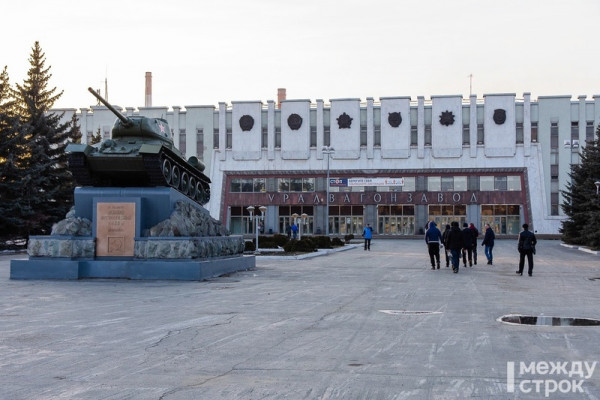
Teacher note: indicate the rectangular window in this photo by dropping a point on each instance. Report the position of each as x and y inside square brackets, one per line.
[589, 131]
[460, 183]
[500, 183]
[434, 183]
[259, 185]
[283, 185]
[553, 203]
[247, 185]
[519, 132]
[554, 135]
[513, 183]
[486, 183]
[480, 134]
[200, 144]
[447, 184]
[229, 138]
[216, 138]
[182, 144]
[308, 184]
[414, 136]
[466, 135]
[473, 182]
[409, 184]
[427, 134]
[554, 171]
[235, 186]
[534, 132]
[574, 130]
[264, 141]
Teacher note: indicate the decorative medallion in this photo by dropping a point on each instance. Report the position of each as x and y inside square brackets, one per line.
[446, 118]
[395, 119]
[499, 116]
[344, 121]
[294, 122]
[246, 122]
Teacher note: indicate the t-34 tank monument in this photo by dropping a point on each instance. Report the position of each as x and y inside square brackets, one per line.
[138, 214]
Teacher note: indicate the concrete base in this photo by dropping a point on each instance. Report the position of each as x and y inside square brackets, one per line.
[187, 270]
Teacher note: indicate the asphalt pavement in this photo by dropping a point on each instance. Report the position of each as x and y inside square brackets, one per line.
[355, 324]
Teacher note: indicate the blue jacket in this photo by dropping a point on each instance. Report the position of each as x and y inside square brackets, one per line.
[433, 234]
[368, 232]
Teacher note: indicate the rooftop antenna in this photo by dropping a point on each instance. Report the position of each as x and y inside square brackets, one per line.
[106, 83]
[470, 84]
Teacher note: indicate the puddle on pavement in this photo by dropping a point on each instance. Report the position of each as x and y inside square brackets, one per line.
[408, 312]
[543, 320]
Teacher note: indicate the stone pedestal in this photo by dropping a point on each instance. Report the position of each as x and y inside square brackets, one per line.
[136, 233]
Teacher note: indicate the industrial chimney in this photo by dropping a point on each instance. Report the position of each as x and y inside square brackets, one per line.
[148, 89]
[280, 96]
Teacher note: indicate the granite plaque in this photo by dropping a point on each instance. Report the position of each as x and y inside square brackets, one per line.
[115, 229]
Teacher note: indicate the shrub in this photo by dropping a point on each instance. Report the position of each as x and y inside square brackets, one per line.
[348, 238]
[322, 242]
[280, 240]
[336, 242]
[306, 245]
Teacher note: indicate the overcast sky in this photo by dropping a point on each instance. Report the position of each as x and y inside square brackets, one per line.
[202, 52]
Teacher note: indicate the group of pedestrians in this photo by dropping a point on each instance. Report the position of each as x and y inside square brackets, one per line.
[462, 244]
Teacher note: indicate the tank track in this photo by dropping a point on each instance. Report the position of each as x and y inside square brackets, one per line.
[166, 169]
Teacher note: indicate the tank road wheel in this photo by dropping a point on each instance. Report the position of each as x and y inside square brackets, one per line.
[199, 192]
[192, 188]
[166, 170]
[185, 183]
[175, 177]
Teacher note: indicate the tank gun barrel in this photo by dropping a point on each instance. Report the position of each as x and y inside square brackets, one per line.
[126, 121]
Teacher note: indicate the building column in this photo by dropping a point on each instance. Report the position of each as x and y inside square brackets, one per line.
[420, 126]
[473, 125]
[527, 124]
[270, 130]
[83, 125]
[370, 128]
[222, 130]
[320, 130]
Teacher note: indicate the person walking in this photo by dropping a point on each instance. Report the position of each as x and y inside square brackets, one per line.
[488, 242]
[475, 236]
[526, 247]
[467, 248]
[433, 238]
[294, 230]
[368, 235]
[455, 243]
[445, 240]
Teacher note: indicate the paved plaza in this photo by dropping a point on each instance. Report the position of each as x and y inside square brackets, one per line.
[354, 324]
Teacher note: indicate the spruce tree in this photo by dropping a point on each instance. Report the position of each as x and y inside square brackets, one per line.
[48, 184]
[582, 204]
[13, 212]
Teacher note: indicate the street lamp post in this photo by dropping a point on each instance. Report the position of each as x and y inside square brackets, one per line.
[597, 183]
[257, 217]
[329, 151]
[302, 219]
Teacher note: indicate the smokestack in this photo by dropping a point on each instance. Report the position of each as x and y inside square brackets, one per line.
[280, 96]
[148, 89]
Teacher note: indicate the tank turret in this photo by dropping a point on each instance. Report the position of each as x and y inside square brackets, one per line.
[140, 153]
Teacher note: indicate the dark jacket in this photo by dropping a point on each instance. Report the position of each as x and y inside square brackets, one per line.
[467, 238]
[433, 234]
[488, 239]
[527, 241]
[454, 239]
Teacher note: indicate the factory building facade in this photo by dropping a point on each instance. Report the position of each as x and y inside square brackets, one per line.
[394, 163]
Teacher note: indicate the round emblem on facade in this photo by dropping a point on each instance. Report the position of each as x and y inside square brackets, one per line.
[499, 116]
[344, 121]
[246, 122]
[395, 119]
[446, 118]
[294, 122]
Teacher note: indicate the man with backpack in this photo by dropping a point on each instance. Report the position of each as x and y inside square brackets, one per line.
[526, 247]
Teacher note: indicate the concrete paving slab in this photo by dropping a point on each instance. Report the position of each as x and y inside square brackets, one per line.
[356, 324]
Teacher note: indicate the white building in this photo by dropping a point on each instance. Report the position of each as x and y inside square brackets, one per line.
[499, 159]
